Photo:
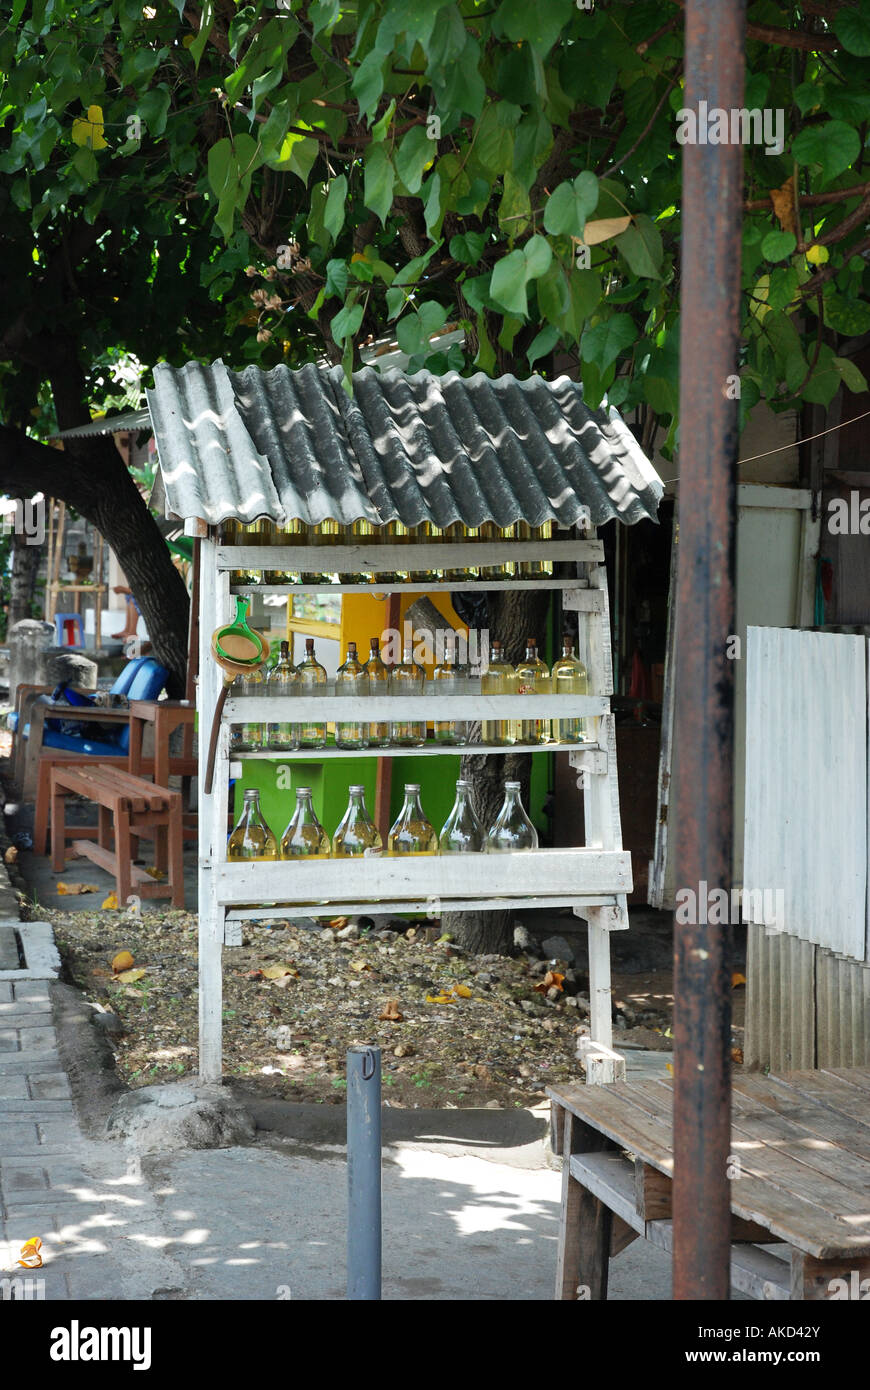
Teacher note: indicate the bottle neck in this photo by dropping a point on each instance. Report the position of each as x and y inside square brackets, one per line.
[412, 807]
[531, 653]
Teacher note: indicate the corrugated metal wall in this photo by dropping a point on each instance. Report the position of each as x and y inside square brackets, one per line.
[805, 1006]
[806, 782]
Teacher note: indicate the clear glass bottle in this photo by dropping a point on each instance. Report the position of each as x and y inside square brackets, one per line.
[447, 679]
[462, 832]
[312, 681]
[251, 736]
[351, 680]
[378, 675]
[534, 569]
[490, 532]
[292, 533]
[357, 834]
[499, 678]
[411, 832]
[569, 678]
[512, 829]
[304, 834]
[251, 837]
[407, 679]
[459, 532]
[533, 678]
[282, 683]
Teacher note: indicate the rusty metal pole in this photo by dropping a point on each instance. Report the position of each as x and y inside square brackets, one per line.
[703, 736]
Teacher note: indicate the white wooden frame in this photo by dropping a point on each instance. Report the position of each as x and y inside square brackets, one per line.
[593, 880]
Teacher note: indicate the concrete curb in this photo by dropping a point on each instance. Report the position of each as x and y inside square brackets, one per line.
[40, 951]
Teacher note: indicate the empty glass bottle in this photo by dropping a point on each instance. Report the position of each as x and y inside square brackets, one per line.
[304, 834]
[251, 837]
[569, 678]
[533, 678]
[351, 680]
[512, 829]
[462, 832]
[447, 679]
[499, 678]
[250, 736]
[282, 683]
[378, 675]
[411, 833]
[357, 834]
[407, 679]
[312, 681]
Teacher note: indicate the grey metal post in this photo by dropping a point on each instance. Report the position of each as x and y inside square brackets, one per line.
[364, 1172]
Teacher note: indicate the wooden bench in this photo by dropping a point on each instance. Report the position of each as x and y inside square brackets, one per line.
[49, 758]
[129, 808]
[799, 1174]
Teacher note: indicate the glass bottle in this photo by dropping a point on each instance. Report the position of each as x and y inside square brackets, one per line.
[292, 533]
[360, 532]
[533, 678]
[304, 834]
[499, 678]
[418, 535]
[459, 532]
[232, 532]
[490, 532]
[357, 833]
[447, 680]
[313, 536]
[378, 675]
[394, 533]
[312, 681]
[251, 837]
[281, 684]
[512, 829]
[537, 568]
[407, 679]
[250, 736]
[462, 832]
[569, 678]
[411, 833]
[351, 680]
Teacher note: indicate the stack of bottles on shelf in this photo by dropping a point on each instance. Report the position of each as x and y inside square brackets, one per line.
[530, 677]
[357, 834]
[298, 533]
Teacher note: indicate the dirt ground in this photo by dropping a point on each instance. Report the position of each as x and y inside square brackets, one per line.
[454, 1030]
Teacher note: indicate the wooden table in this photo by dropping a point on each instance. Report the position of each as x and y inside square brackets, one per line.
[130, 809]
[799, 1174]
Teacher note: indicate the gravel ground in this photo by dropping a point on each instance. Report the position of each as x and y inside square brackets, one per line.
[454, 1030]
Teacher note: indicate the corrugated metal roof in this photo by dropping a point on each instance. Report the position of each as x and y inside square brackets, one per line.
[108, 424]
[286, 444]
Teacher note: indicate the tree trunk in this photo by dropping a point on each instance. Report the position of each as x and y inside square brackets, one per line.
[513, 616]
[90, 475]
[25, 568]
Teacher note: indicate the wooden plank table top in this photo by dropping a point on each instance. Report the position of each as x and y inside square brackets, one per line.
[800, 1149]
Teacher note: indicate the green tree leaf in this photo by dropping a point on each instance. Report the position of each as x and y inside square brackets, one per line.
[778, 246]
[380, 178]
[336, 206]
[641, 245]
[834, 146]
[508, 284]
[852, 28]
[346, 322]
[604, 343]
[570, 204]
[413, 157]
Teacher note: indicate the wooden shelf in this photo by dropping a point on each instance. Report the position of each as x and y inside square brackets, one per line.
[372, 709]
[555, 876]
[353, 907]
[430, 750]
[422, 586]
[439, 555]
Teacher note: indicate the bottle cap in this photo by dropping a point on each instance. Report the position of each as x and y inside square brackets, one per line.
[356, 789]
[252, 794]
[531, 641]
[511, 786]
[462, 783]
[303, 791]
[309, 644]
[412, 786]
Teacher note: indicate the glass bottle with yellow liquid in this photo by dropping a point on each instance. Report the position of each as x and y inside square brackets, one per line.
[447, 679]
[305, 836]
[569, 678]
[357, 835]
[351, 680]
[411, 832]
[504, 568]
[420, 534]
[459, 532]
[232, 532]
[537, 568]
[533, 678]
[378, 676]
[251, 837]
[499, 678]
[292, 533]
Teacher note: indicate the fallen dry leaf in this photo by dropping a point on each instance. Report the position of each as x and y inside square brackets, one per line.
[129, 977]
[602, 229]
[462, 991]
[737, 1055]
[359, 965]
[338, 922]
[552, 980]
[284, 980]
[122, 961]
[737, 980]
[73, 889]
[277, 972]
[152, 872]
[391, 1012]
[783, 206]
[439, 998]
[111, 902]
[11, 855]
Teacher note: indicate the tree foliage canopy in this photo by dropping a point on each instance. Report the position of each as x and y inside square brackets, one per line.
[282, 181]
